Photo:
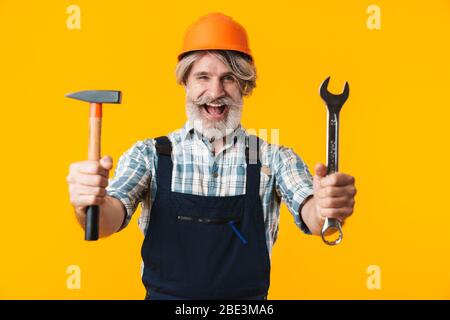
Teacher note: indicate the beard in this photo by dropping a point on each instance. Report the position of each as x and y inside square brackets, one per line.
[214, 129]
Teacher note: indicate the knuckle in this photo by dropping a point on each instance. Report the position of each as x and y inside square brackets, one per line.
[92, 199]
[73, 199]
[329, 202]
[72, 167]
[96, 168]
[335, 179]
[86, 168]
[97, 191]
[71, 180]
[98, 181]
[347, 212]
[100, 191]
[332, 179]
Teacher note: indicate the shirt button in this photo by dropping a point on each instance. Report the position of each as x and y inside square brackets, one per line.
[215, 175]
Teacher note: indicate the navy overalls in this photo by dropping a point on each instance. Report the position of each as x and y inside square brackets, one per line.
[205, 247]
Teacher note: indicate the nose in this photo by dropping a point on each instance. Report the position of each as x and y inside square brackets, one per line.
[216, 89]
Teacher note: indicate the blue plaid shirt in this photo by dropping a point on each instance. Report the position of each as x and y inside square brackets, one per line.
[197, 170]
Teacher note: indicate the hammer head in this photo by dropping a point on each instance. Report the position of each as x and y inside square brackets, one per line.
[97, 96]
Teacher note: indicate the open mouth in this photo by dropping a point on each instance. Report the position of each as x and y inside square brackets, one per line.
[214, 110]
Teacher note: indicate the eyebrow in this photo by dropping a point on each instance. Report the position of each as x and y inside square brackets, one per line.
[205, 73]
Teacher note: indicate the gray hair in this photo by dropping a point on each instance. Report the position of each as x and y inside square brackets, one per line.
[241, 66]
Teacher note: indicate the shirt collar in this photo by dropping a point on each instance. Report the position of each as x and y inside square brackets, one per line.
[188, 131]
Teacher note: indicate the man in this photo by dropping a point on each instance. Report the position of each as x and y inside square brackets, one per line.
[210, 202]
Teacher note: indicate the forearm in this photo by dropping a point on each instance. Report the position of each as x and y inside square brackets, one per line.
[310, 217]
[112, 213]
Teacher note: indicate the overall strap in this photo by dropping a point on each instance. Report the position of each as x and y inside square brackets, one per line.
[164, 170]
[253, 159]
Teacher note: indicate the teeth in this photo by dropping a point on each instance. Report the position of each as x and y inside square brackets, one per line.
[214, 105]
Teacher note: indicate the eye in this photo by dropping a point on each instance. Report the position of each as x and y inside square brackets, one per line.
[229, 78]
[202, 78]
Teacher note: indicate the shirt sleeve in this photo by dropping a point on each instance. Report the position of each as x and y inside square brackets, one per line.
[132, 177]
[294, 183]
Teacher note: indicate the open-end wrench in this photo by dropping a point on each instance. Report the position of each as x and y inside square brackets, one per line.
[334, 104]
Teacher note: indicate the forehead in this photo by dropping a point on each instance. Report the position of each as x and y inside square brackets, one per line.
[211, 64]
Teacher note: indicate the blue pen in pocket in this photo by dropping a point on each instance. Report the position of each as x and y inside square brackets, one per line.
[236, 231]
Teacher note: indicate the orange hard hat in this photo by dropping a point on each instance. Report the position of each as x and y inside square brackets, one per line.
[215, 31]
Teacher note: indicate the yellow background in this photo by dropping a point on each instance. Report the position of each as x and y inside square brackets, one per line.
[394, 135]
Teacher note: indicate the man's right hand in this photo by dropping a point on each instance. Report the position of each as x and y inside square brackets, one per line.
[87, 183]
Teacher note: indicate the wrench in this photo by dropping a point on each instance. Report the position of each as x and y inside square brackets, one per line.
[334, 104]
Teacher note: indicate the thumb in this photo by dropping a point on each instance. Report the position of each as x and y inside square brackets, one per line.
[320, 170]
[106, 162]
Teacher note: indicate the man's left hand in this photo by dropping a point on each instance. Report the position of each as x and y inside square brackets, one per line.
[334, 194]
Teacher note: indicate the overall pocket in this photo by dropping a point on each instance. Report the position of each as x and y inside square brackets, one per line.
[231, 222]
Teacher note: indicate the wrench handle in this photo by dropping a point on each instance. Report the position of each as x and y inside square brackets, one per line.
[332, 142]
[331, 225]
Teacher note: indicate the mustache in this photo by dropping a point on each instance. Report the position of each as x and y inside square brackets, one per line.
[223, 100]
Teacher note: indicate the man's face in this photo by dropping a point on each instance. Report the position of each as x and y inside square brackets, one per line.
[213, 97]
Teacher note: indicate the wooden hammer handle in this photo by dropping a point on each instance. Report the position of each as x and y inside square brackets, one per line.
[95, 131]
[94, 154]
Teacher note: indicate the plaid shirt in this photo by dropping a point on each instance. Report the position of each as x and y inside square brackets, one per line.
[197, 170]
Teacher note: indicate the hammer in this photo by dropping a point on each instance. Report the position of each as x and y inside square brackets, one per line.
[95, 98]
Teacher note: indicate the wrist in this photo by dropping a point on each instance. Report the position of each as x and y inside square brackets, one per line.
[310, 215]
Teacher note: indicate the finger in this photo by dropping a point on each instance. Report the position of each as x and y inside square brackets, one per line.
[89, 167]
[337, 179]
[320, 170]
[88, 180]
[88, 191]
[346, 191]
[106, 162]
[336, 213]
[335, 202]
[87, 200]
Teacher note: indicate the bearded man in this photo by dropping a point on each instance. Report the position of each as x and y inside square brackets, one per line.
[210, 192]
